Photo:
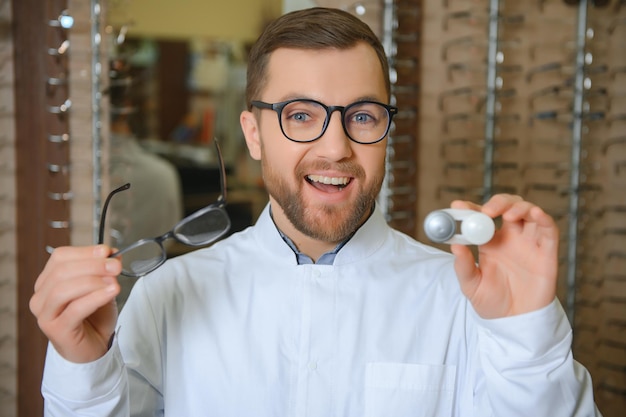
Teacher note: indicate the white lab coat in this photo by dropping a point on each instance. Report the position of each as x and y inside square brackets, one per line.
[239, 329]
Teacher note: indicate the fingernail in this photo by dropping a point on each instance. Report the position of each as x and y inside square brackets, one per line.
[99, 250]
[110, 284]
[111, 265]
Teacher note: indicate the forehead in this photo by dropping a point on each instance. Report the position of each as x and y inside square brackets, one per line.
[334, 76]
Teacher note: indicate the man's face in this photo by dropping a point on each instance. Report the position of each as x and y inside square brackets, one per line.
[323, 189]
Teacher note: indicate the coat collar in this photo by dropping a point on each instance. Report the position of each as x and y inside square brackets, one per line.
[367, 239]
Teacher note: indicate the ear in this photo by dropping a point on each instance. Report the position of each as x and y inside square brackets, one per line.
[250, 128]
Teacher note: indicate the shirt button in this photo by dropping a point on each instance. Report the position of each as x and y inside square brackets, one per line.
[312, 366]
[316, 273]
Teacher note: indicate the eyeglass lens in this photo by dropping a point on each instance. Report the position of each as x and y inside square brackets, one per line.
[205, 228]
[364, 122]
[142, 258]
[200, 228]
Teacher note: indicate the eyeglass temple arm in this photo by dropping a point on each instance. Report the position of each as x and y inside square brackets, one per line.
[220, 159]
[104, 210]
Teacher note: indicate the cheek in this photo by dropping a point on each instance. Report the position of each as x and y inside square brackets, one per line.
[373, 161]
[280, 156]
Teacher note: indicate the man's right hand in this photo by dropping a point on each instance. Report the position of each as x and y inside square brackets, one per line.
[74, 301]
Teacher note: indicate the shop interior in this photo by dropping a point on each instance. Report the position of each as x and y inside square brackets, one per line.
[495, 96]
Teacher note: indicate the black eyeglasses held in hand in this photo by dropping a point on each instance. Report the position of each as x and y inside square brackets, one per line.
[198, 229]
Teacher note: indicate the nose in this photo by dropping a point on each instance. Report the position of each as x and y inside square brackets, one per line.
[334, 144]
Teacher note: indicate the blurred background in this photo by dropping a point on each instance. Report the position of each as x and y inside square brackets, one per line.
[494, 96]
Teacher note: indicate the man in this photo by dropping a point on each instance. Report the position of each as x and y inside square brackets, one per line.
[319, 309]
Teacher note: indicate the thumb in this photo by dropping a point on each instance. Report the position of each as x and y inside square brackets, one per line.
[466, 269]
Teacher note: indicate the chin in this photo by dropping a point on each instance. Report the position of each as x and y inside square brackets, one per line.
[330, 223]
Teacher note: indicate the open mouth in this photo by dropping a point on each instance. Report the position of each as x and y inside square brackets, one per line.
[328, 184]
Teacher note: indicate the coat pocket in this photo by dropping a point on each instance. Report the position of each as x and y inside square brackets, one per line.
[409, 390]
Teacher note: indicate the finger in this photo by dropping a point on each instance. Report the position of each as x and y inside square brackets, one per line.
[530, 217]
[466, 205]
[528, 212]
[466, 269]
[72, 276]
[53, 300]
[518, 211]
[517, 217]
[544, 229]
[74, 269]
[68, 253]
[83, 340]
[65, 254]
[79, 309]
[530, 220]
[58, 321]
[499, 204]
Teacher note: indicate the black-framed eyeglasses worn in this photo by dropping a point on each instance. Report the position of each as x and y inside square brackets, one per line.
[306, 120]
[198, 229]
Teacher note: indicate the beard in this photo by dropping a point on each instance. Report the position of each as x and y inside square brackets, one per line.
[331, 223]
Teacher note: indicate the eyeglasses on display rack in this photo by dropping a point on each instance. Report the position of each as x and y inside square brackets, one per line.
[471, 43]
[479, 68]
[475, 95]
[479, 17]
[304, 120]
[198, 229]
[478, 143]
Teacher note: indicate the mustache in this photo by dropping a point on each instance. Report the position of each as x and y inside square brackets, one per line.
[347, 167]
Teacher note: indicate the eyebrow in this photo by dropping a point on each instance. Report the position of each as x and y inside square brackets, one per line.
[305, 97]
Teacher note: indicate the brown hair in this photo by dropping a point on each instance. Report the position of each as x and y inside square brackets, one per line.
[315, 28]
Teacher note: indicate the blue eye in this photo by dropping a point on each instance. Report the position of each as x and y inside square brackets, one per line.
[301, 117]
[362, 118]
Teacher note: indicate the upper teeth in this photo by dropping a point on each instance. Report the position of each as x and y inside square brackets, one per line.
[329, 180]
